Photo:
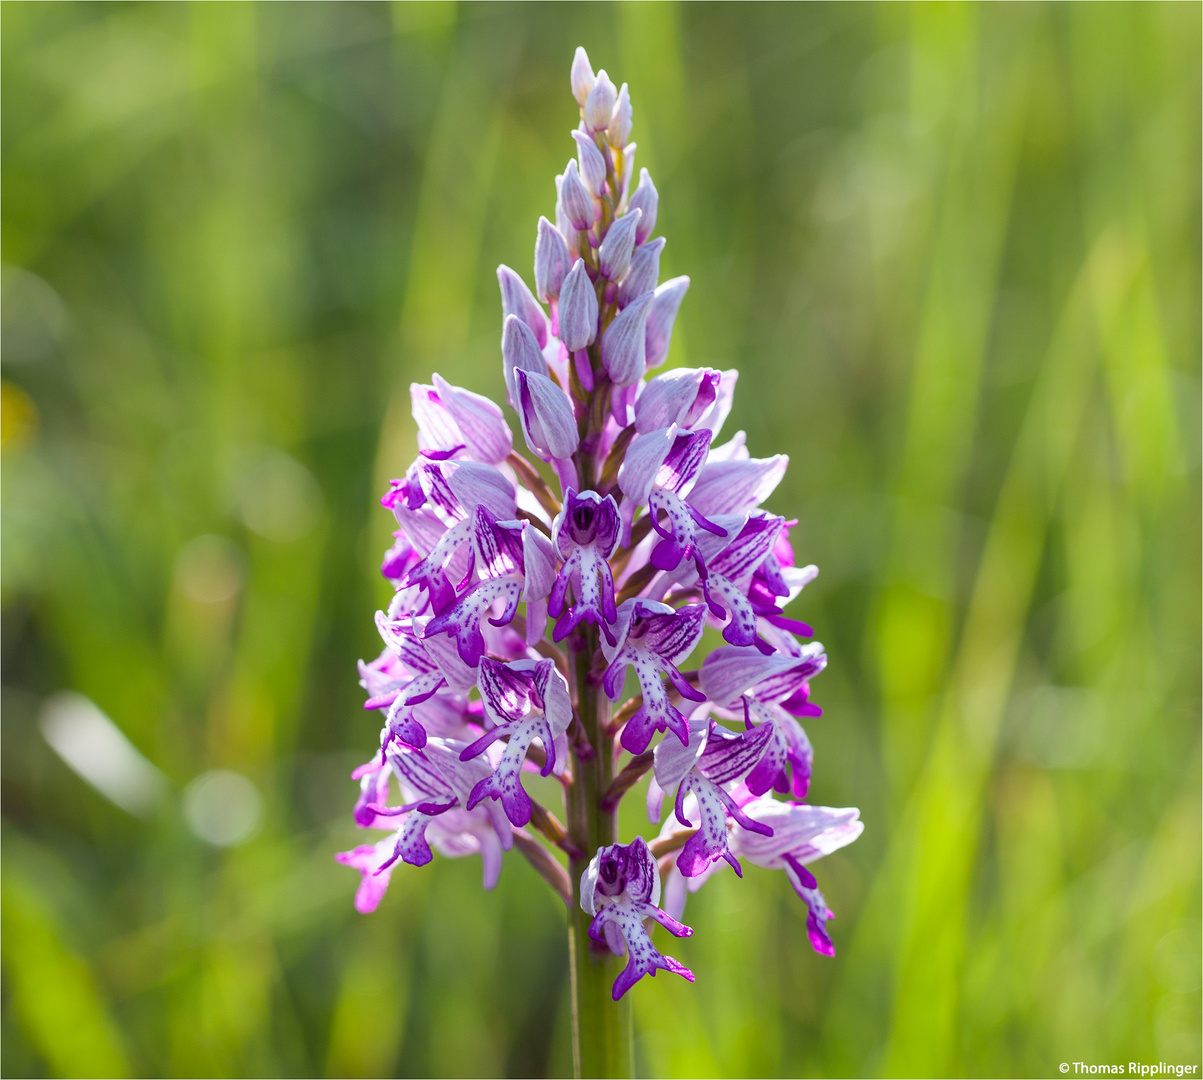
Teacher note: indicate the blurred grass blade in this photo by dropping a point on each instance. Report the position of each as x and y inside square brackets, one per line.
[54, 992]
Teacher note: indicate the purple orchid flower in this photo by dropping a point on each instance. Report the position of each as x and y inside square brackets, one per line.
[653, 638]
[432, 782]
[730, 575]
[660, 467]
[524, 700]
[585, 533]
[620, 888]
[712, 758]
[769, 691]
[412, 678]
[800, 834]
[499, 550]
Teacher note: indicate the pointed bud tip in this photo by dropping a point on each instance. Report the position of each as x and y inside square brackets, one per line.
[599, 105]
[582, 77]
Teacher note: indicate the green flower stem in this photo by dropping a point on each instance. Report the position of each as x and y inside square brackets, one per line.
[602, 1043]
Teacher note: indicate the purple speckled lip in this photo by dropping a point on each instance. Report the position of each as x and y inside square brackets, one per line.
[535, 577]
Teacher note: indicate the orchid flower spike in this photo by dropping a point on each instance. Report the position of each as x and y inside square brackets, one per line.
[554, 571]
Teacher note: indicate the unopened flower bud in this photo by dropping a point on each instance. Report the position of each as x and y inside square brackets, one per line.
[519, 351]
[620, 120]
[647, 199]
[582, 76]
[517, 299]
[599, 105]
[567, 231]
[614, 255]
[661, 317]
[575, 198]
[552, 260]
[593, 165]
[644, 271]
[546, 413]
[681, 396]
[578, 309]
[623, 347]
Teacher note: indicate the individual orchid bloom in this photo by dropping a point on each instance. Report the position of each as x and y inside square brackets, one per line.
[800, 835]
[473, 539]
[660, 320]
[768, 691]
[552, 261]
[519, 350]
[621, 888]
[646, 199]
[729, 578]
[643, 273]
[623, 346]
[591, 164]
[523, 700]
[433, 505]
[712, 758]
[500, 551]
[653, 638]
[682, 397]
[616, 250]
[412, 678]
[529, 582]
[434, 781]
[777, 581]
[578, 309]
[582, 77]
[412, 711]
[621, 119]
[660, 468]
[433, 815]
[586, 533]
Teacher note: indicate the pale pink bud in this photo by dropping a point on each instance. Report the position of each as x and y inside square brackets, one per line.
[546, 413]
[575, 198]
[614, 255]
[593, 165]
[552, 260]
[582, 76]
[623, 347]
[578, 309]
[599, 105]
[620, 120]
[517, 299]
[519, 350]
[643, 272]
[647, 199]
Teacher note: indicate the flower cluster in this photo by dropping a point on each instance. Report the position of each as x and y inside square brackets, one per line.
[525, 589]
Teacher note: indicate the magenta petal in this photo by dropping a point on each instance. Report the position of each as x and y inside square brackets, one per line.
[509, 790]
[667, 555]
[408, 731]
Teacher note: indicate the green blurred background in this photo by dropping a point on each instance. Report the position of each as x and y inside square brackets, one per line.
[954, 251]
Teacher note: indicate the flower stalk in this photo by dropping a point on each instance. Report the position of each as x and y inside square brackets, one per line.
[648, 533]
[602, 1033]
